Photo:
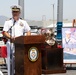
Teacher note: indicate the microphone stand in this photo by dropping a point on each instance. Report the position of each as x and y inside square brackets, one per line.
[11, 52]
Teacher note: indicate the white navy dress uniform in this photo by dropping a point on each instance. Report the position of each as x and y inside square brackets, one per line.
[15, 29]
[18, 29]
[68, 42]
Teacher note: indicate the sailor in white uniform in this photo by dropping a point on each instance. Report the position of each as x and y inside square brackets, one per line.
[68, 41]
[13, 28]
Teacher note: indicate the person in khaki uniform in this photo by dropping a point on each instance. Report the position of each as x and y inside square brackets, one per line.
[13, 28]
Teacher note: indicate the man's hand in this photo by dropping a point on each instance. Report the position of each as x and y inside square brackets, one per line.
[12, 40]
[28, 33]
[6, 34]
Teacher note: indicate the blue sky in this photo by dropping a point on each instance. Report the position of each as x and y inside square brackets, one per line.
[34, 9]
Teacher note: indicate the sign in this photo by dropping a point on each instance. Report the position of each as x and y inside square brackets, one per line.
[69, 44]
[33, 54]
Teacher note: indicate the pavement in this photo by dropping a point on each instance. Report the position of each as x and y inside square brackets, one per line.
[69, 72]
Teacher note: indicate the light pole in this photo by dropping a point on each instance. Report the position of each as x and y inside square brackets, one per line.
[21, 3]
[59, 19]
[53, 15]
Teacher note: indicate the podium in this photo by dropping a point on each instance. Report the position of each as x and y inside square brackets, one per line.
[28, 55]
[52, 60]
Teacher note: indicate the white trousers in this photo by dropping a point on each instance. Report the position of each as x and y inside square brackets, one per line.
[10, 59]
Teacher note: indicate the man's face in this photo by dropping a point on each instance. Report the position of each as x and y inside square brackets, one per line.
[68, 35]
[16, 14]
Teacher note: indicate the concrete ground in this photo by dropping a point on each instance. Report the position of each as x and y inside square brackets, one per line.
[69, 72]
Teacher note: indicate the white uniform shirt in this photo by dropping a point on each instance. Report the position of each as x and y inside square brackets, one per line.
[18, 29]
[68, 43]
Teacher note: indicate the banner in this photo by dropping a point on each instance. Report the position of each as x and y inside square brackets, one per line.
[69, 44]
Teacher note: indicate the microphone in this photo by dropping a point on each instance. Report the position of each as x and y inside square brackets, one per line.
[12, 25]
[14, 22]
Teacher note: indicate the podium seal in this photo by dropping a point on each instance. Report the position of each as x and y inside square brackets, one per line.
[33, 54]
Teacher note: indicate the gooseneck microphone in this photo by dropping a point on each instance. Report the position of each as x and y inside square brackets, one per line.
[14, 22]
[12, 25]
[12, 49]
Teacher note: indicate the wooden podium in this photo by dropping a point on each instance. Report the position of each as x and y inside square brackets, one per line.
[28, 55]
[52, 60]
